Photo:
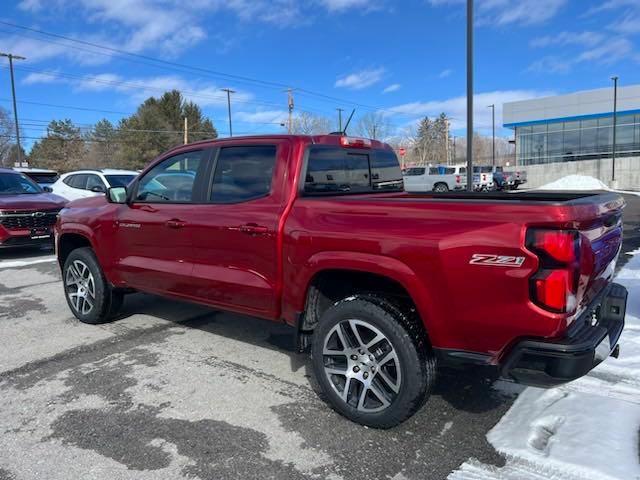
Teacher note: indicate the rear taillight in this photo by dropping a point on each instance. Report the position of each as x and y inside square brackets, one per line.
[555, 285]
[484, 178]
[457, 178]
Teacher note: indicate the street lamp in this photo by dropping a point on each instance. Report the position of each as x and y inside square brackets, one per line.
[493, 144]
[615, 121]
[470, 95]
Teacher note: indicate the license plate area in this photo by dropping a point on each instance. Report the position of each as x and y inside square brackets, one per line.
[40, 233]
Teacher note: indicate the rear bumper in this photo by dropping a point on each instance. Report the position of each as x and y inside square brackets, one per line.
[591, 339]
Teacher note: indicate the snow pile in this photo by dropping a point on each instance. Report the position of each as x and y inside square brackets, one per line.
[587, 429]
[575, 182]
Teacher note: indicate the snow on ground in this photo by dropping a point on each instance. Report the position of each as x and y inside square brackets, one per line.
[585, 430]
[575, 182]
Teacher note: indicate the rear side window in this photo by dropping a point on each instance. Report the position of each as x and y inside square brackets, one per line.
[243, 173]
[336, 170]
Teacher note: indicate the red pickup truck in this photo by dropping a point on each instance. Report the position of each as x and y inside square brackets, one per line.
[380, 285]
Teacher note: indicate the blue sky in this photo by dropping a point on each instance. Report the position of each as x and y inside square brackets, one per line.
[406, 58]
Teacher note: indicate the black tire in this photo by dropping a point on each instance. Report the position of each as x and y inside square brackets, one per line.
[105, 301]
[441, 187]
[413, 379]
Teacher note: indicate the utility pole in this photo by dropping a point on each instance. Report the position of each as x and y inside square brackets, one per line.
[615, 121]
[470, 95]
[455, 157]
[290, 106]
[493, 142]
[374, 131]
[340, 110]
[186, 131]
[229, 92]
[11, 57]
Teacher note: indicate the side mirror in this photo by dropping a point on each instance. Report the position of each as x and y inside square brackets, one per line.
[97, 189]
[47, 189]
[117, 195]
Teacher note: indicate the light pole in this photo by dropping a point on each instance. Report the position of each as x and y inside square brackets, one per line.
[11, 57]
[493, 138]
[229, 92]
[340, 110]
[470, 95]
[615, 121]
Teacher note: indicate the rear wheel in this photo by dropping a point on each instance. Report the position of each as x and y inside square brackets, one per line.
[440, 187]
[88, 294]
[372, 363]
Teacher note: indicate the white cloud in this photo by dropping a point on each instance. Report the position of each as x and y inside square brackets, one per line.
[40, 78]
[445, 73]
[139, 89]
[606, 53]
[262, 116]
[394, 87]
[505, 12]
[361, 79]
[588, 39]
[456, 107]
[629, 24]
[337, 5]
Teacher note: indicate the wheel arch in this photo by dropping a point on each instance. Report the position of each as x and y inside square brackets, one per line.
[336, 275]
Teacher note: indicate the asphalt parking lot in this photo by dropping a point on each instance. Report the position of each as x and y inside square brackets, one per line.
[173, 390]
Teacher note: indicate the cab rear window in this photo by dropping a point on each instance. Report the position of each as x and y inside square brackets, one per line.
[336, 170]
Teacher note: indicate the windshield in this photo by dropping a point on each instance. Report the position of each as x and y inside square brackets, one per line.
[16, 184]
[119, 180]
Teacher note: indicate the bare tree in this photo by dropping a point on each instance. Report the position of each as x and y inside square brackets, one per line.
[374, 125]
[309, 124]
[6, 137]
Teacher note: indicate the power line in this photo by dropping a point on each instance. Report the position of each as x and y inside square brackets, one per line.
[123, 54]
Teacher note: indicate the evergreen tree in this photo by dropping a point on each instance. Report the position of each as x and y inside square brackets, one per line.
[63, 148]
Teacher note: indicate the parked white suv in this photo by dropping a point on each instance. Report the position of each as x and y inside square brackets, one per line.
[436, 179]
[90, 183]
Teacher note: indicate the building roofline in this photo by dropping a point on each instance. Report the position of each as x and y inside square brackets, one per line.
[569, 119]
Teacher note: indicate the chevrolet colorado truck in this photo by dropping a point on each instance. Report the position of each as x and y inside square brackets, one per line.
[317, 232]
[27, 211]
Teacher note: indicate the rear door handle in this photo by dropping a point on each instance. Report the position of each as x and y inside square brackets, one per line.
[175, 223]
[253, 229]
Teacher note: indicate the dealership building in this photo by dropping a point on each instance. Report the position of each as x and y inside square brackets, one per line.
[574, 133]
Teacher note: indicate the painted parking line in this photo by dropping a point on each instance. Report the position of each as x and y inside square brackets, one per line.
[26, 262]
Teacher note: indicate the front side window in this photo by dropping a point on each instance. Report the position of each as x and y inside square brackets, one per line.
[94, 182]
[172, 180]
[414, 171]
[243, 173]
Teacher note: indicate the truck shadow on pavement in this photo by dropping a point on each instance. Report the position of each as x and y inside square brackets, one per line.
[446, 432]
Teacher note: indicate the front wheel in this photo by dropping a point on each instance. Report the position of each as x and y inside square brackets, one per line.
[88, 294]
[372, 362]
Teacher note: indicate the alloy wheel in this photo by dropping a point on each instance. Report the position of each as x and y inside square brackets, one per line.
[362, 365]
[80, 287]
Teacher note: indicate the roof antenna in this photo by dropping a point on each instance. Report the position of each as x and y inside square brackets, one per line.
[344, 130]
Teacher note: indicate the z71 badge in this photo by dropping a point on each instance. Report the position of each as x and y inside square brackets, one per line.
[496, 260]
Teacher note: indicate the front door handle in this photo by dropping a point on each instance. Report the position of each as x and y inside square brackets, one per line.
[175, 223]
[253, 229]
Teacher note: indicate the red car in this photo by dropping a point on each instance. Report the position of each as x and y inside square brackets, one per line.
[381, 285]
[27, 211]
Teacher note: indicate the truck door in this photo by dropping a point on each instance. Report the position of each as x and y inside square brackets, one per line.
[155, 234]
[236, 230]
